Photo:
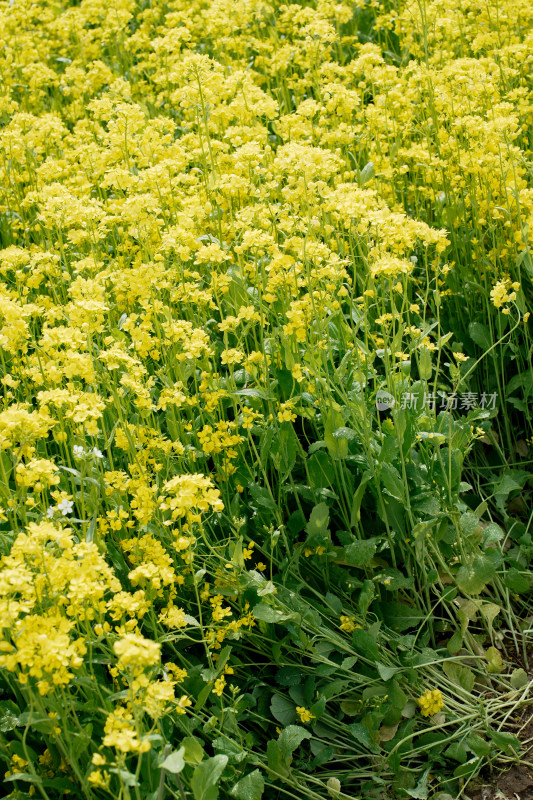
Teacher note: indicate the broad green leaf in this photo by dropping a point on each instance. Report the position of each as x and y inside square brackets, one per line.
[229, 748]
[350, 707]
[507, 742]
[206, 776]
[457, 751]
[262, 497]
[289, 676]
[318, 521]
[266, 613]
[174, 762]
[366, 596]
[290, 738]
[360, 553]
[193, 752]
[333, 602]
[459, 674]
[344, 433]
[480, 334]
[517, 581]
[386, 673]
[317, 709]
[367, 173]
[250, 787]
[480, 747]
[494, 660]
[363, 736]
[392, 482]
[492, 534]
[338, 448]
[364, 643]
[320, 470]
[425, 367]
[472, 578]
[399, 616]
[27, 777]
[282, 709]
[519, 679]
[468, 522]
[275, 761]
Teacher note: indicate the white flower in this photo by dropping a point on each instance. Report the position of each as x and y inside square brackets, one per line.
[78, 451]
[50, 511]
[97, 453]
[65, 507]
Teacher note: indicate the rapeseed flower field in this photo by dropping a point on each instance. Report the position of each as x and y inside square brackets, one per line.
[266, 431]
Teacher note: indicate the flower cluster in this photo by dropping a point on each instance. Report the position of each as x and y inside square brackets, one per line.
[431, 702]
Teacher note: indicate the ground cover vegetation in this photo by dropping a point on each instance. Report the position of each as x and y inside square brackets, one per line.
[266, 430]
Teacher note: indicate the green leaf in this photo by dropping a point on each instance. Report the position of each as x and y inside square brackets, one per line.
[229, 748]
[360, 553]
[250, 787]
[338, 448]
[357, 499]
[350, 707]
[367, 173]
[320, 470]
[392, 482]
[425, 366]
[492, 534]
[472, 578]
[519, 678]
[275, 760]
[480, 747]
[455, 643]
[24, 776]
[512, 480]
[494, 660]
[457, 751]
[318, 521]
[289, 739]
[363, 736]
[468, 522]
[289, 676]
[421, 790]
[266, 613]
[386, 673]
[333, 602]
[364, 644]
[282, 709]
[399, 616]
[344, 433]
[480, 334]
[193, 752]
[262, 497]
[206, 776]
[459, 674]
[317, 709]
[174, 762]
[9, 716]
[517, 581]
[507, 742]
[366, 596]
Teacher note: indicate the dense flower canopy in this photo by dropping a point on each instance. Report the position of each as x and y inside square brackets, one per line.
[225, 225]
